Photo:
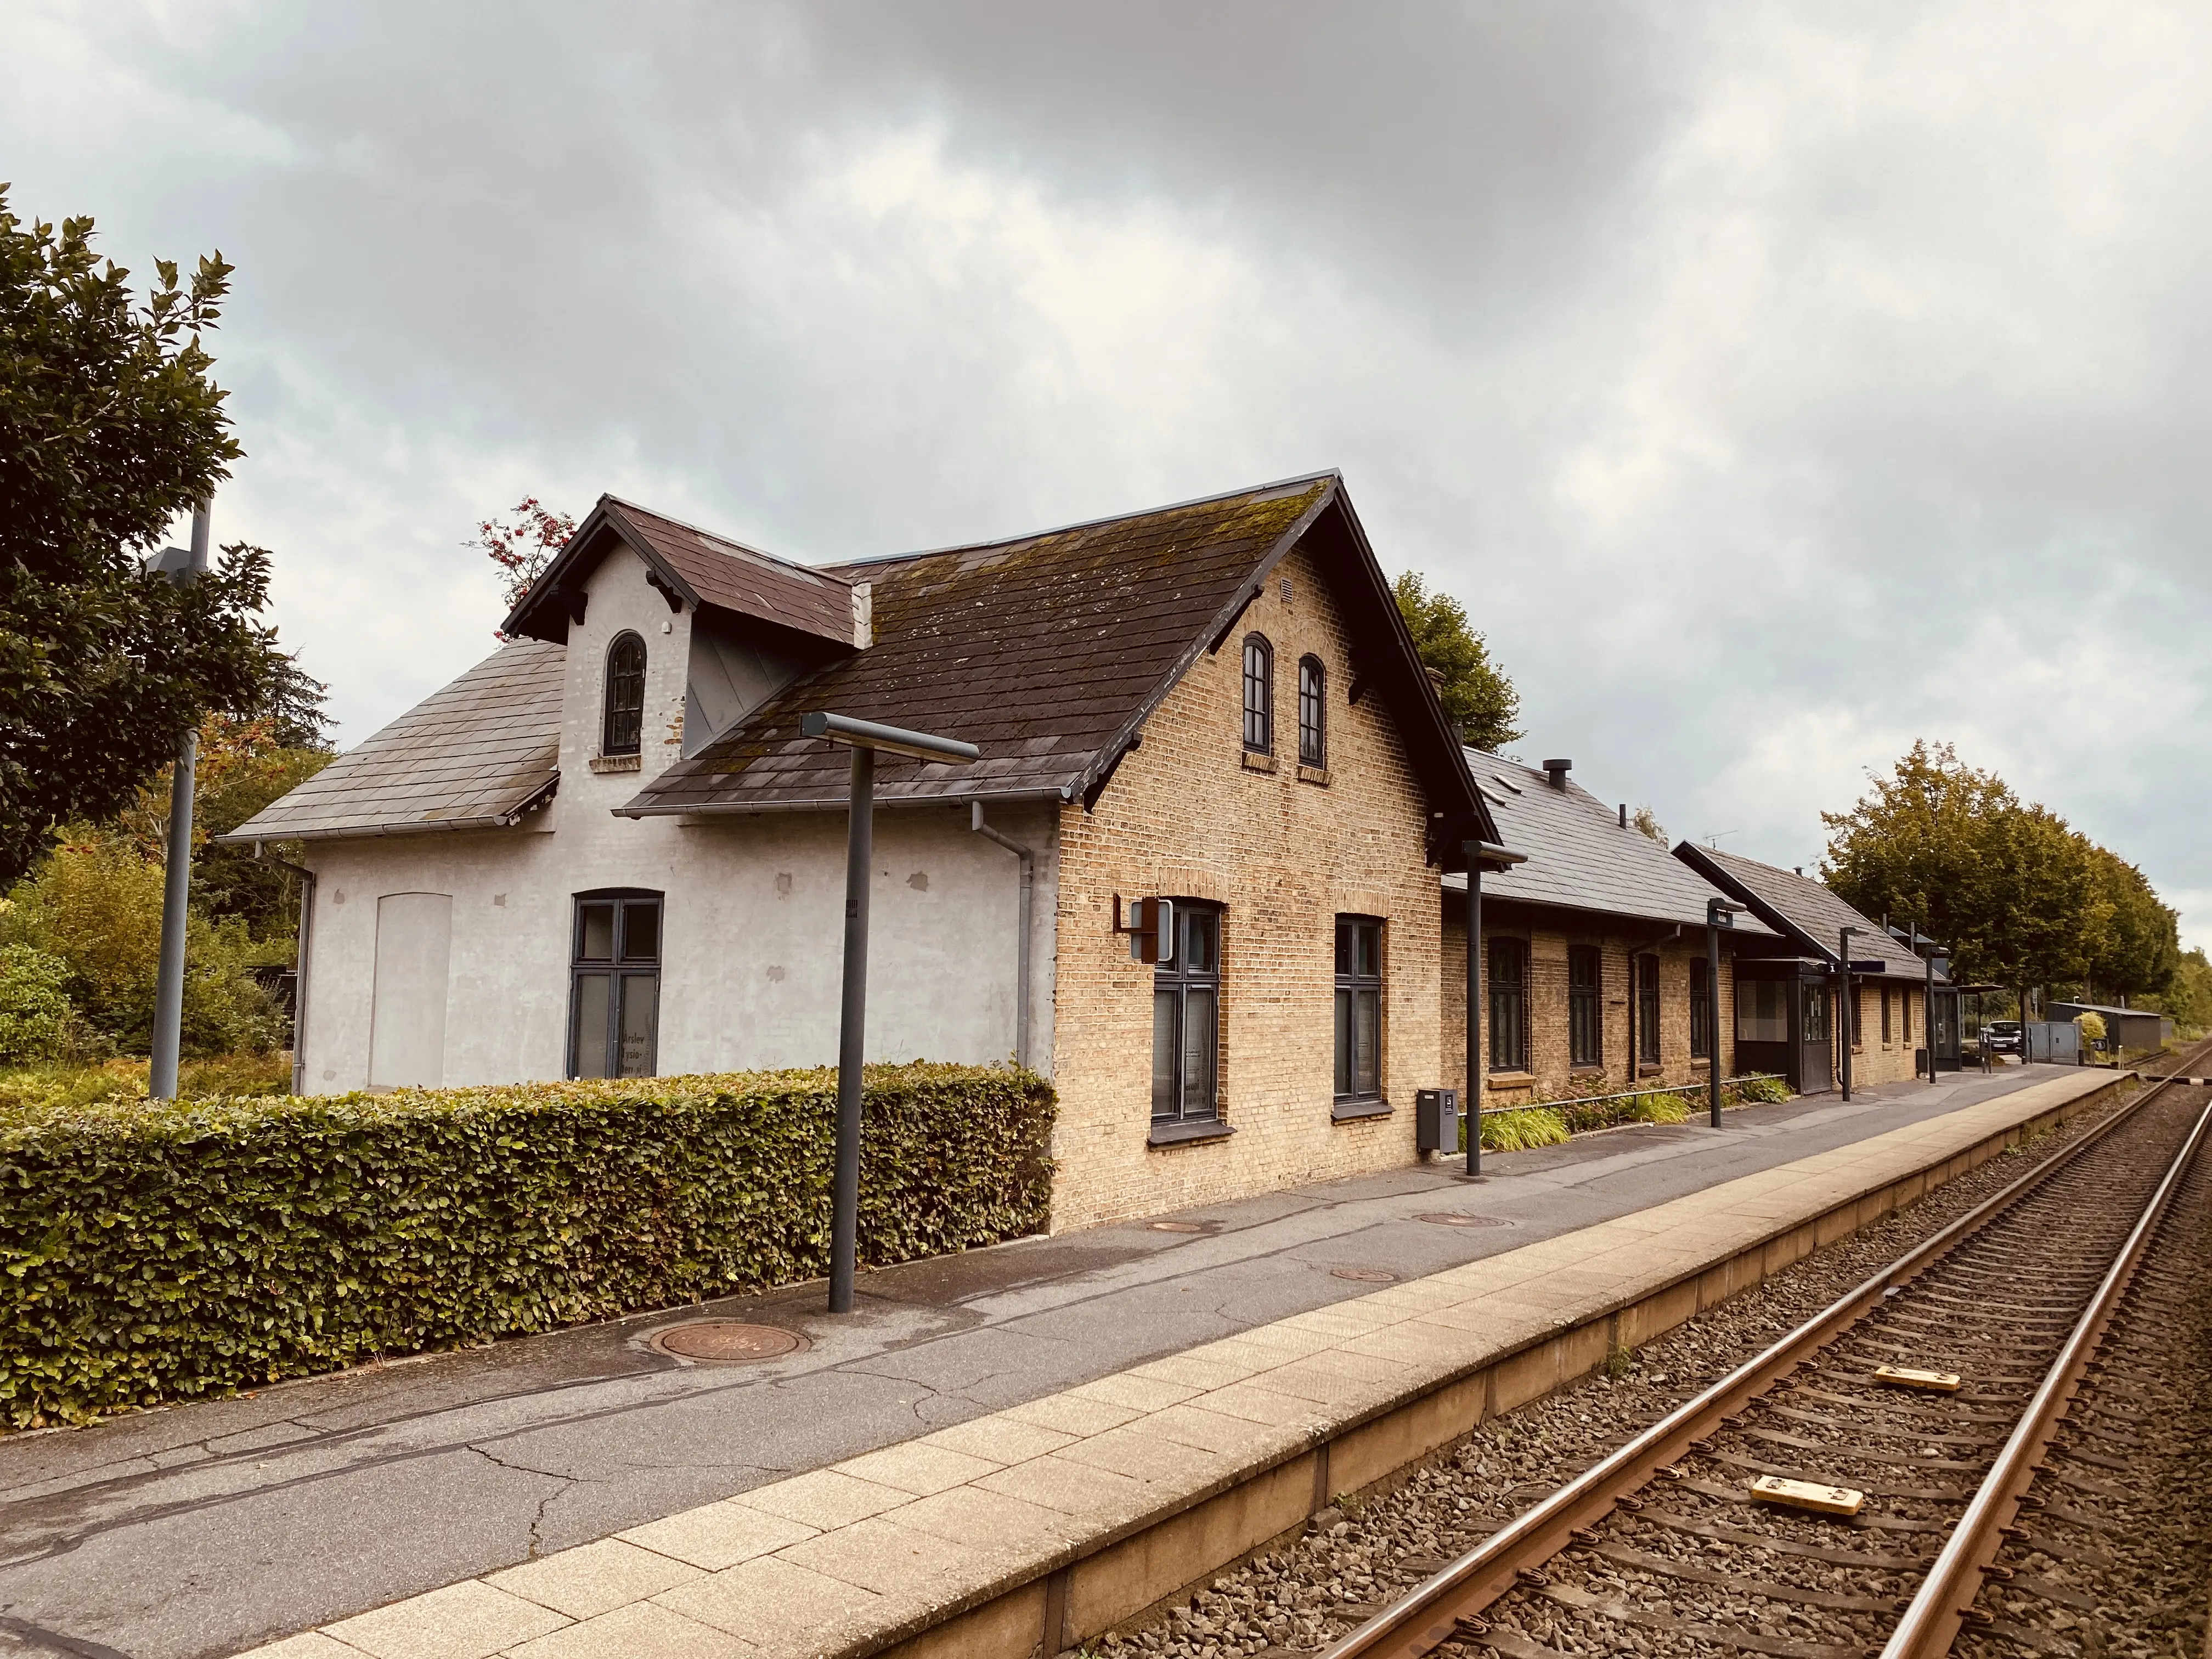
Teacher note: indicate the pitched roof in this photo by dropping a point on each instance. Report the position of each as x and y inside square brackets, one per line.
[1048, 651]
[693, 565]
[1801, 909]
[1580, 857]
[472, 756]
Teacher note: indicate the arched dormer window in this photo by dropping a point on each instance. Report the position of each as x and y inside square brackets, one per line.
[623, 726]
[1313, 713]
[1259, 694]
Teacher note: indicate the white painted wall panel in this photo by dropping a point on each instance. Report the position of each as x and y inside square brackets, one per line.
[407, 1024]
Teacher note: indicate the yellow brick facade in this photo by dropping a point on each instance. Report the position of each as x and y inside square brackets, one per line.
[1872, 1059]
[1548, 938]
[1285, 853]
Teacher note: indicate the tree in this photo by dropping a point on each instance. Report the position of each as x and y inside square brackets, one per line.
[2137, 949]
[523, 546]
[1477, 698]
[2010, 888]
[1645, 822]
[110, 428]
[2188, 998]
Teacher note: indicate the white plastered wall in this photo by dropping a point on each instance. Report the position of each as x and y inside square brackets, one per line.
[754, 922]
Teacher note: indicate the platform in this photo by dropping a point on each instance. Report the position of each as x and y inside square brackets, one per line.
[1020, 1438]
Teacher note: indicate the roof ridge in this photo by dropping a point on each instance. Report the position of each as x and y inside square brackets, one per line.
[1259, 490]
[777, 559]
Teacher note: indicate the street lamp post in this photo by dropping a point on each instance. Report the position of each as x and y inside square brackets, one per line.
[864, 739]
[1719, 914]
[1845, 1008]
[177, 875]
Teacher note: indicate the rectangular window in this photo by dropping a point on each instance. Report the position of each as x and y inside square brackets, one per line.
[1358, 1008]
[1585, 1006]
[1905, 1009]
[1885, 1017]
[1647, 1009]
[1313, 713]
[1187, 1019]
[1701, 1010]
[614, 985]
[1762, 1010]
[1509, 1005]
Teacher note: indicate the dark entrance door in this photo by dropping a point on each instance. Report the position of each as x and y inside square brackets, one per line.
[1943, 1039]
[1815, 1051]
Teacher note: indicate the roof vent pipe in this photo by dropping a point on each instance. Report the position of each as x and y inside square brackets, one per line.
[1557, 770]
[1624, 815]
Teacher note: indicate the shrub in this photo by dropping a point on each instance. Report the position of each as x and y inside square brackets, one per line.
[95, 905]
[42, 1089]
[161, 1252]
[1656, 1109]
[36, 1019]
[1763, 1090]
[1519, 1131]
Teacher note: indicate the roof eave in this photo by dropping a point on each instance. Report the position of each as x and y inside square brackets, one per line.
[837, 803]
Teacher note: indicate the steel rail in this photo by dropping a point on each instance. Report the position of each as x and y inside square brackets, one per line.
[1429, 1614]
[1931, 1622]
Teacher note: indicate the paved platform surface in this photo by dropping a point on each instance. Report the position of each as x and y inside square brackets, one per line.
[202, 1530]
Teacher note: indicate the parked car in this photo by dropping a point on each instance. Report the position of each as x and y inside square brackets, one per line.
[2002, 1036]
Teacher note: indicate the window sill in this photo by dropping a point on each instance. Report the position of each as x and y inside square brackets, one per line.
[1190, 1129]
[1351, 1111]
[1511, 1080]
[617, 763]
[1258, 762]
[1313, 774]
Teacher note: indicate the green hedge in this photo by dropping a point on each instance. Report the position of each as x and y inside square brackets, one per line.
[156, 1253]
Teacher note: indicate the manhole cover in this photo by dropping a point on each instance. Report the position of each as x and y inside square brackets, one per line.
[1176, 1227]
[1364, 1275]
[1455, 1219]
[725, 1340]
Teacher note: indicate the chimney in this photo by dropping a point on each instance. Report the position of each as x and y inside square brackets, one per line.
[1557, 770]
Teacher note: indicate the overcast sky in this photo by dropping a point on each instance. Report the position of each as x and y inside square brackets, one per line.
[1776, 384]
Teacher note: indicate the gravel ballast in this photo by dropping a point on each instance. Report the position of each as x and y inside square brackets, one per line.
[1367, 1549]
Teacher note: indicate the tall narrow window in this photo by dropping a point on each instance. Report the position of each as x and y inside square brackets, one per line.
[1701, 1010]
[1509, 1005]
[1359, 1009]
[1647, 1009]
[624, 725]
[1259, 694]
[1762, 1010]
[1884, 993]
[1905, 1008]
[614, 984]
[1816, 1013]
[1187, 1019]
[1585, 1011]
[1313, 713]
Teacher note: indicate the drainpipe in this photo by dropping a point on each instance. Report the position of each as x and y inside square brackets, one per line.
[1022, 946]
[300, 960]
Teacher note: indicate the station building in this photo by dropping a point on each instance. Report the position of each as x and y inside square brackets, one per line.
[609, 850]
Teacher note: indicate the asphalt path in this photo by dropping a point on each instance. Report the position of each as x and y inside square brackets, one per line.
[203, 1529]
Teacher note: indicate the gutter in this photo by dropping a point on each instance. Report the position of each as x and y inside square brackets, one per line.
[1022, 946]
[300, 959]
[826, 804]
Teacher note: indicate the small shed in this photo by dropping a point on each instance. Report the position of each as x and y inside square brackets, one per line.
[2126, 1029]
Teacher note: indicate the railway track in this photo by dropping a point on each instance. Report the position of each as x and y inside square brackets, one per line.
[1665, 1547]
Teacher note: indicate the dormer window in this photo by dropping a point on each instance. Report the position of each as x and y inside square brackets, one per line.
[623, 726]
[1259, 696]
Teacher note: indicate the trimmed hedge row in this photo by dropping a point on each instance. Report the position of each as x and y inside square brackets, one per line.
[152, 1253]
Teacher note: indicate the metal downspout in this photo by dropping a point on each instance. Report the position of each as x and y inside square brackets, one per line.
[1021, 945]
[300, 961]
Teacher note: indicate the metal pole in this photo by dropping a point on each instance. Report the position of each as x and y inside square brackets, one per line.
[852, 1028]
[1473, 1108]
[176, 877]
[1928, 1023]
[1713, 1016]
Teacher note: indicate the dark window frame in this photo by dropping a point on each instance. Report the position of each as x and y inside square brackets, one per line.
[1259, 694]
[621, 715]
[1647, 1009]
[1585, 1005]
[1187, 988]
[1885, 1038]
[1313, 711]
[1508, 997]
[626, 967]
[1360, 945]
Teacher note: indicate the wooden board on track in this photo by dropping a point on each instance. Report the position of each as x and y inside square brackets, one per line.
[1806, 1495]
